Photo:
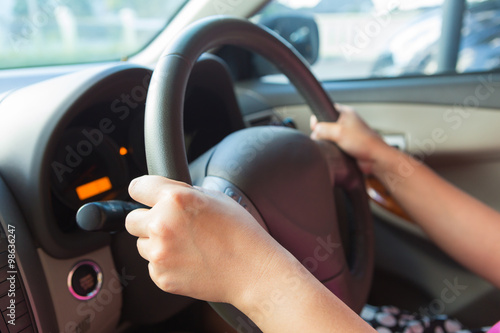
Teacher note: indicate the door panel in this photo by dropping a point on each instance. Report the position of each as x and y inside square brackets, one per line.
[453, 124]
[467, 155]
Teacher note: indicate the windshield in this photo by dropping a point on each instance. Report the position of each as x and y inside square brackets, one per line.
[56, 32]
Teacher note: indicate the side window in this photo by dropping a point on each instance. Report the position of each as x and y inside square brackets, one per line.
[480, 41]
[361, 39]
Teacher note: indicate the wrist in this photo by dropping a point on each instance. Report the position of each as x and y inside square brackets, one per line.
[393, 167]
[385, 160]
[269, 286]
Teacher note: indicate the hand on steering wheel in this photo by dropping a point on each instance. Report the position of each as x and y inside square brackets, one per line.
[199, 243]
[352, 135]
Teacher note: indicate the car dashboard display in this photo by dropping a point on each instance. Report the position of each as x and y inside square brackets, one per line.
[96, 158]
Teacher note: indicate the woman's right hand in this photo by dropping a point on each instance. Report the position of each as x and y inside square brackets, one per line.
[201, 243]
[352, 135]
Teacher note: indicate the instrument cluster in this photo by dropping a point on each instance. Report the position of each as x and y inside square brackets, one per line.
[101, 151]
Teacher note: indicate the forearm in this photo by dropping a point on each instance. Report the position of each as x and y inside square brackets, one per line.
[291, 299]
[465, 228]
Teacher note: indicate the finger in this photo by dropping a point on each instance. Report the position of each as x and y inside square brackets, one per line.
[163, 278]
[343, 107]
[136, 222]
[153, 273]
[150, 189]
[143, 248]
[326, 131]
[312, 122]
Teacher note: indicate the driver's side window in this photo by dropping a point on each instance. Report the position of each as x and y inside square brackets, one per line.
[363, 39]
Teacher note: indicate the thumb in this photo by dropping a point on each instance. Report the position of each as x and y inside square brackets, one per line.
[326, 131]
[313, 121]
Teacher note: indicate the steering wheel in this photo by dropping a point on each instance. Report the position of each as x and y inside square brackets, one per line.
[303, 192]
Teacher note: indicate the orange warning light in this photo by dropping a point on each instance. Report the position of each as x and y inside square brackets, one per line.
[94, 188]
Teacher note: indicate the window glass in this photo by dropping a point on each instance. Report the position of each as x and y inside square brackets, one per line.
[52, 32]
[480, 43]
[389, 38]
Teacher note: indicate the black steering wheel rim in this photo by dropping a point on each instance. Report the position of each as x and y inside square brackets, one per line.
[164, 138]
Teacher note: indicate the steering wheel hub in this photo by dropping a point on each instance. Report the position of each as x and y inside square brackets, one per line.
[286, 176]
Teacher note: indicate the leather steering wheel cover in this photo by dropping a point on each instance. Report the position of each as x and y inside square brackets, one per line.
[164, 137]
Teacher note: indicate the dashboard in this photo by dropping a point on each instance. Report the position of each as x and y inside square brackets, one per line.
[82, 140]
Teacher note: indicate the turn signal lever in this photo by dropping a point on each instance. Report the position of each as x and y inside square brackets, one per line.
[105, 215]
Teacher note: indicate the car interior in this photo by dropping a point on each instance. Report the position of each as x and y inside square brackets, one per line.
[220, 94]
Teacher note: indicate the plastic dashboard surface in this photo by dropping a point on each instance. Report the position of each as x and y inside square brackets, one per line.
[79, 138]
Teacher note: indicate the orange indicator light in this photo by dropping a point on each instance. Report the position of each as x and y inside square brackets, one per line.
[123, 151]
[94, 188]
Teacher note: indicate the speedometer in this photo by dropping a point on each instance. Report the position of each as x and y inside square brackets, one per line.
[88, 166]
